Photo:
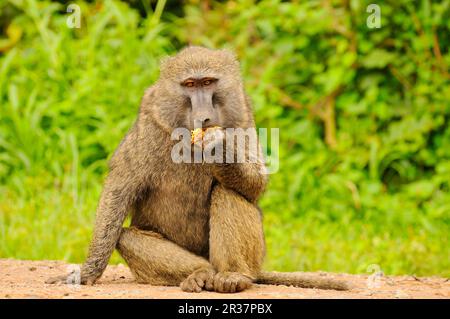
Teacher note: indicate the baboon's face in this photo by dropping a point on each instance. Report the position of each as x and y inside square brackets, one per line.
[201, 101]
[203, 89]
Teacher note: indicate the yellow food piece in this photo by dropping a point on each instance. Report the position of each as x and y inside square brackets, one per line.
[199, 133]
[195, 134]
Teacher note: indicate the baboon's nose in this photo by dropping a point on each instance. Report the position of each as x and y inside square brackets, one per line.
[202, 122]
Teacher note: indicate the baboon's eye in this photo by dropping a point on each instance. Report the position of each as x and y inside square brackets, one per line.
[208, 81]
[189, 83]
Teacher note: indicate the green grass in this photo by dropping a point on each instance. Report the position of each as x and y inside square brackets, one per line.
[379, 195]
[45, 220]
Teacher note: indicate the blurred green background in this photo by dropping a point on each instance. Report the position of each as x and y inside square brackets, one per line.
[363, 115]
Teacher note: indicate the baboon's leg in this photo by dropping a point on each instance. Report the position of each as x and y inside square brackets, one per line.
[155, 260]
[236, 240]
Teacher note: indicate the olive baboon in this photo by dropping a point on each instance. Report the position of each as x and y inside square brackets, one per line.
[195, 225]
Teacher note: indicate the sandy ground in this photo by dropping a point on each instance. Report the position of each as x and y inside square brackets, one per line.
[25, 279]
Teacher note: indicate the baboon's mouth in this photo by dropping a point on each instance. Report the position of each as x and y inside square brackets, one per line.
[199, 133]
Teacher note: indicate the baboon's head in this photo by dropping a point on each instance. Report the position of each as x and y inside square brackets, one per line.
[200, 87]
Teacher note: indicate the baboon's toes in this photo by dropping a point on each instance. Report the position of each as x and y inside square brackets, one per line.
[198, 280]
[229, 282]
[209, 283]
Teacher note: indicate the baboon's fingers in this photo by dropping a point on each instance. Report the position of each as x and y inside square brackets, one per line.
[61, 279]
[87, 281]
[230, 282]
[68, 279]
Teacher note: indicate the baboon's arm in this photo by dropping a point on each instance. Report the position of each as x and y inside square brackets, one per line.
[116, 201]
[247, 179]
[250, 178]
[123, 186]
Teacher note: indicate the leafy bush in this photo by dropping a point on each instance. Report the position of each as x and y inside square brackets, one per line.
[363, 117]
[68, 96]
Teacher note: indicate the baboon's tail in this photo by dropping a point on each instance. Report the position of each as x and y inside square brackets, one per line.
[298, 279]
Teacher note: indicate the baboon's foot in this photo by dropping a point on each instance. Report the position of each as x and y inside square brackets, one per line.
[229, 282]
[200, 279]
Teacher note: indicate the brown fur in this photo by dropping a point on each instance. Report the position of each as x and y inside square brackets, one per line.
[194, 225]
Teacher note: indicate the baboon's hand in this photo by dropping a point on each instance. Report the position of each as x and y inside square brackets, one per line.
[198, 280]
[56, 280]
[229, 282]
[214, 138]
[70, 279]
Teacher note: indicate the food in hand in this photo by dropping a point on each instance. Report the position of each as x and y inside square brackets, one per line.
[199, 133]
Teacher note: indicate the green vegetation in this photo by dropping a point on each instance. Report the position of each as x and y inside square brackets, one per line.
[363, 115]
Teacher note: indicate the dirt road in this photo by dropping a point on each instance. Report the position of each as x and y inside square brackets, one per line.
[25, 279]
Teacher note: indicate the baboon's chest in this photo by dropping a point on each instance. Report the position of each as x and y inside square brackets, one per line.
[178, 207]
